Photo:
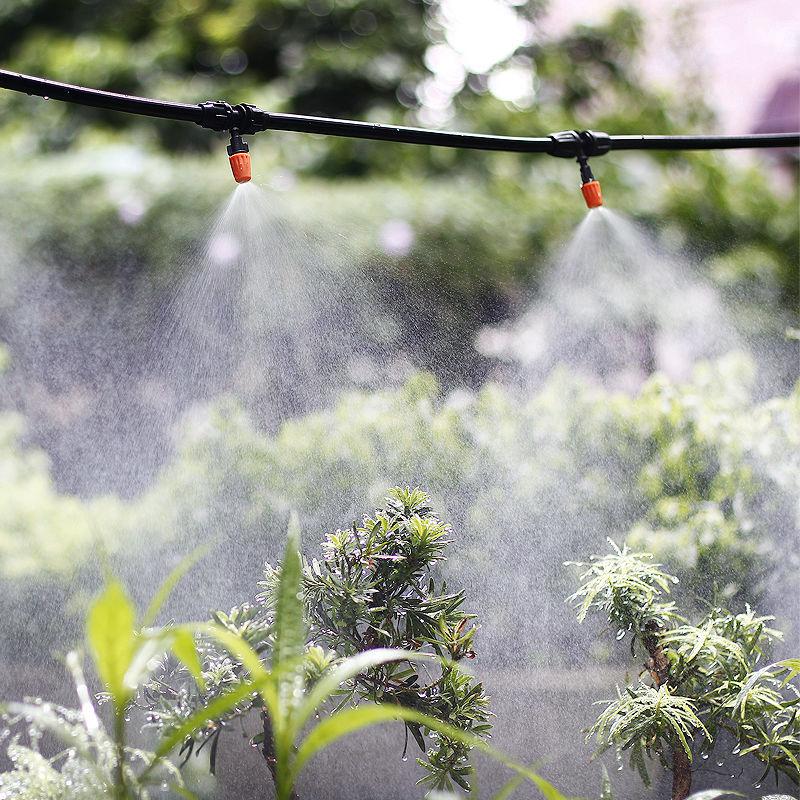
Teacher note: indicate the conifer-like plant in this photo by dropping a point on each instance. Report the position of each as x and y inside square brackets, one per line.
[371, 589]
[701, 685]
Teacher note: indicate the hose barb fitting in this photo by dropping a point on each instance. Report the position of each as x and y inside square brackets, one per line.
[239, 156]
[590, 186]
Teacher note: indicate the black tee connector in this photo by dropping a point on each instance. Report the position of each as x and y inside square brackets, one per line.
[574, 144]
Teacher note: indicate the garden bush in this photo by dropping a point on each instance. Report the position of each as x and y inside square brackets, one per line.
[706, 682]
[114, 207]
[697, 472]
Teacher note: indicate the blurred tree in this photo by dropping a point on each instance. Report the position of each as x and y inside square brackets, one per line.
[477, 230]
[317, 57]
[362, 58]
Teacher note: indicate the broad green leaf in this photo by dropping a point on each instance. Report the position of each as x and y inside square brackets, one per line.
[351, 720]
[215, 709]
[287, 656]
[153, 644]
[183, 645]
[110, 633]
[714, 794]
[171, 581]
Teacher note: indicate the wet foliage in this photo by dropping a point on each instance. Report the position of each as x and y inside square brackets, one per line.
[373, 588]
[702, 684]
[97, 764]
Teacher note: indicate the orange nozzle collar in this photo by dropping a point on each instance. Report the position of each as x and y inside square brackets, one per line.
[592, 194]
[240, 167]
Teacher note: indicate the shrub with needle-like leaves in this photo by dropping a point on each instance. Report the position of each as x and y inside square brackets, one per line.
[97, 764]
[372, 588]
[700, 683]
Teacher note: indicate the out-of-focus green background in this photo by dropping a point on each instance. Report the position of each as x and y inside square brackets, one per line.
[109, 197]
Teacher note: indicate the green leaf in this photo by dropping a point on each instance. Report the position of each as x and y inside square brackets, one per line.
[790, 665]
[215, 709]
[183, 792]
[347, 669]
[183, 645]
[509, 788]
[714, 794]
[153, 644]
[351, 720]
[110, 633]
[290, 630]
[287, 656]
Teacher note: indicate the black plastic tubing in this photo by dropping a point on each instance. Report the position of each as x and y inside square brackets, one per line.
[248, 119]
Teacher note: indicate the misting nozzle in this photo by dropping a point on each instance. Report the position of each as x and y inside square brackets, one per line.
[590, 186]
[239, 156]
[592, 194]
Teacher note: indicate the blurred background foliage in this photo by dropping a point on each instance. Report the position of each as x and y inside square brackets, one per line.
[116, 203]
[697, 472]
[483, 225]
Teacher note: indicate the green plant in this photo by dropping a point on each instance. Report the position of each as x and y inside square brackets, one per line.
[704, 681]
[372, 590]
[97, 764]
[289, 701]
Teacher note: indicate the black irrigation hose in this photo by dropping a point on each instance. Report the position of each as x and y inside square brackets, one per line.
[247, 119]
[96, 98]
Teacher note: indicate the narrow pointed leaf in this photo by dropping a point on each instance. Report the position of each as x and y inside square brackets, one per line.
[349, 668]
[185, 649]
[214, 710]
[351, 720]
[290, 631]
[509, 788]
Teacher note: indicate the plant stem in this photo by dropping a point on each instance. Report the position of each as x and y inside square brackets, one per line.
[268, 751]
[681, 773]
[120, 792]
[658, 666]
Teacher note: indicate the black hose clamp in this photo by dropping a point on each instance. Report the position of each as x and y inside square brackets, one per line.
[595, 143]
